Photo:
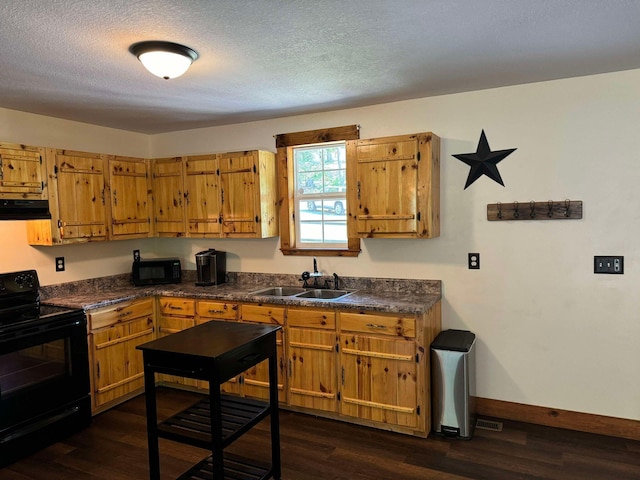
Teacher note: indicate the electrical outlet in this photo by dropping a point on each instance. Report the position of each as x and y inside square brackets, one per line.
[608, 264]
[136, 255]
[59, 264]
[474, 261]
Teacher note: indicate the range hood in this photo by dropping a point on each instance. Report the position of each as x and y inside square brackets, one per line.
[22, 209]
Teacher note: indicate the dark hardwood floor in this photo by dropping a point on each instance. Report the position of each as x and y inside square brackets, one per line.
[114, 448]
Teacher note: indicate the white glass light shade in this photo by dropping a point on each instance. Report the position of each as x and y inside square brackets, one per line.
[165, 64]
[164, 59]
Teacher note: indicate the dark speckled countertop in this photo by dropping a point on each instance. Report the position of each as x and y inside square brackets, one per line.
[372, 294]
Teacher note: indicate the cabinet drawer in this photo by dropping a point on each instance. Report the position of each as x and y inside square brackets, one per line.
[262, 314]
[123, 332]
[378, 324]
[300, 317]
[169, 325]
[177, 306]
[222, 310]
[119, 312]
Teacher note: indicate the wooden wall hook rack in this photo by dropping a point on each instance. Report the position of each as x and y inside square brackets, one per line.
[549, 210]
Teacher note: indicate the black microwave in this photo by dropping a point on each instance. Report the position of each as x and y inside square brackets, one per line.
[156, 271]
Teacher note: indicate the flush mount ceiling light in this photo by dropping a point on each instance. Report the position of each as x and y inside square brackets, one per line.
[164, 59]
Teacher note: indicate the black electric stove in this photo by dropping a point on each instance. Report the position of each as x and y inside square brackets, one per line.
[44, 368]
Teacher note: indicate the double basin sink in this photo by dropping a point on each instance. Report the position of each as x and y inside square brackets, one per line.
[303, 292]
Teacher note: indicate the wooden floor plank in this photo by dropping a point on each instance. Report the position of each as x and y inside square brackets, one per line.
[114, 447]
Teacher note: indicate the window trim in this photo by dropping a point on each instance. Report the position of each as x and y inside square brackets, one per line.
[284, 158]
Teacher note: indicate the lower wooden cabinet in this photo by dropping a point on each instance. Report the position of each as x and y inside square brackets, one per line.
[312, 359]
[379, 379]
[213, 310]
[175, 315]
[117, 371]
[255, 381]
[364, 367]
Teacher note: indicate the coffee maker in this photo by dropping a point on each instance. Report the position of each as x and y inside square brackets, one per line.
[211, 267]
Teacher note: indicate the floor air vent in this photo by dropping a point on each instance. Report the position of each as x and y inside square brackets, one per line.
[489, 425]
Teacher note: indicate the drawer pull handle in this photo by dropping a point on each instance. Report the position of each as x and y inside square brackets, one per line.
[126, 314]
[250, 358]
[373, 325]
[216, 311]
[173, 307]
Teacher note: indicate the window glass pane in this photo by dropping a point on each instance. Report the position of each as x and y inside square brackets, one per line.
[321, 194]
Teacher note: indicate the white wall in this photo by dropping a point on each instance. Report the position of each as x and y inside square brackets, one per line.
[550, 332]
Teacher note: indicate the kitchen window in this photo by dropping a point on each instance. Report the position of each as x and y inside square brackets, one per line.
[312, 170]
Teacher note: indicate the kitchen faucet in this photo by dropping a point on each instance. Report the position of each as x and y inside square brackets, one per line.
[317, 274]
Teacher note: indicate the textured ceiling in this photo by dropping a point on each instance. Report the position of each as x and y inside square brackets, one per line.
[263, 59]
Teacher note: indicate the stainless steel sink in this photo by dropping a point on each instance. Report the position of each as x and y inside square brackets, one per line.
[279, 291]
[302, 292]
[324, 294]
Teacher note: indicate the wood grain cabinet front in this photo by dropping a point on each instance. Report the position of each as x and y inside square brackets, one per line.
[312, 358]
[130, 188]
[231, 195]
[394, 187]
[175, 315]
[117, 372]
[22, 172]
[256, 379]
[168, 197]
[382, 371]
[77, 200]
[208, 310]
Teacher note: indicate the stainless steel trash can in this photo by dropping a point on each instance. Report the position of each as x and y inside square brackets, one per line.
[453, 383]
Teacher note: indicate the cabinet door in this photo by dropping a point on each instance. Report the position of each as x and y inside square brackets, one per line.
[312, 379]
[21, 172]
[167, 326]
[211, 310]
[168, 193]
[387, 182]
[256, 379]
[117, 365]
[130, 201]
[379, 379]
[395, 187]
[81, 196]
[312, 358]
[239, 191]
[202, 196]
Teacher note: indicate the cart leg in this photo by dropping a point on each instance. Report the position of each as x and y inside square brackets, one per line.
[275, 420]
[152, 423]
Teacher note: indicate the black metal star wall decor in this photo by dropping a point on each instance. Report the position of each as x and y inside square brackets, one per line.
[484, 161]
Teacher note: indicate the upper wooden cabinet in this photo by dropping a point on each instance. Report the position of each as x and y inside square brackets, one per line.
[130, 194]
[77, 200]
[22, 172]
[248, 192]
[202, 195]
[231, 195]
[394, 187]
[168, 197]
[105, 197]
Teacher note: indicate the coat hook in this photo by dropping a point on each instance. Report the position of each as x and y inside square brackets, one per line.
[516, 213]
[550, 212]
[567, 206]
[532, 206]
[500, 210]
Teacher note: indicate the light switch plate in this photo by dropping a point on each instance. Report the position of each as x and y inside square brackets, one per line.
[613, 265]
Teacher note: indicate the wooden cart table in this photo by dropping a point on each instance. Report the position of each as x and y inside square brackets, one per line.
[215, 351]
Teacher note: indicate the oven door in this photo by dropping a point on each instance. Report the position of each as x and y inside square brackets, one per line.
[44, 372]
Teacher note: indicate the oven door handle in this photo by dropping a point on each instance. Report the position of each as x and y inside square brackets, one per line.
[19, 333]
